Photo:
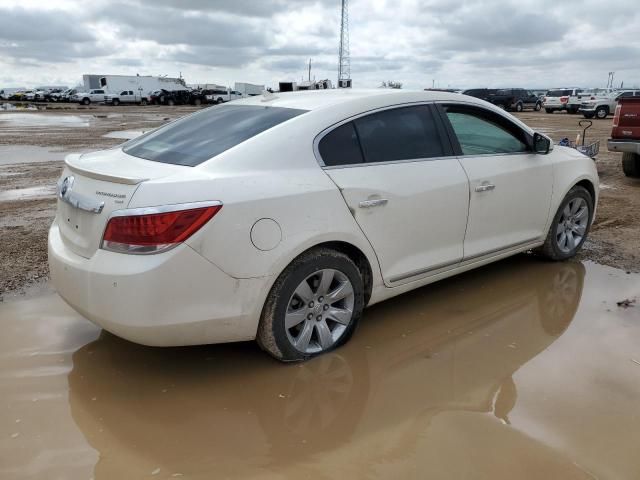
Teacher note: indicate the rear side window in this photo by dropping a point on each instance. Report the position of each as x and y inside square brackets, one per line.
[203, 135]
[341, 147]
[400, 134]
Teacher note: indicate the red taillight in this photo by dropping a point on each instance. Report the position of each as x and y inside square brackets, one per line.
[154, 232]
[564, 99]
[616, 117]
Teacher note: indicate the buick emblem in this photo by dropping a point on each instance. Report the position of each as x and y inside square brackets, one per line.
[67, 183]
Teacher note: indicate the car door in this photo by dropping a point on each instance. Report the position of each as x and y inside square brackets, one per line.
[405, 189]
[510, 186]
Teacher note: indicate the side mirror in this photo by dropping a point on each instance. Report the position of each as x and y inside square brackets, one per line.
[541, 144]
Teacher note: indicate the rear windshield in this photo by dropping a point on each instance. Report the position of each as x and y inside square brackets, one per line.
[203, 135]
[558, 93]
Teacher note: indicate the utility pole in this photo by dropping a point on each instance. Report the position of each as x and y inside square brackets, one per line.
[309, 70]
[344, 59]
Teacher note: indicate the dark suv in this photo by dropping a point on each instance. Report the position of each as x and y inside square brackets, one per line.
[481, 93]
[175, 97]
[516, 99]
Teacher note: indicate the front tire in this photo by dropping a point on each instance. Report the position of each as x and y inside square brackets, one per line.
[570, 225]
[602, 112]
[519, 107]
[631, 164]
[548, 110]
[86, 101]
[538, 107]
[313, 307]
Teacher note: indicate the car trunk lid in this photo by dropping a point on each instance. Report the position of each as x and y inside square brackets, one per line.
[92, 186]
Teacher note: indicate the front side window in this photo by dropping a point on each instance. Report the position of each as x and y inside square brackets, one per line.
[205, 134]
[481, 132]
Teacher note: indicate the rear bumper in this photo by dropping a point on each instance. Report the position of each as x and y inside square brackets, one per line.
[622, 146]
[555, 106]
[169, 299]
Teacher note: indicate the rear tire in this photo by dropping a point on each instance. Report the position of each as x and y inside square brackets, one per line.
[518, 107]
[197, 102]
[538, 107]
[300, 319]
[570, 225]
[171, 103]
[143, 101]
[631, 164]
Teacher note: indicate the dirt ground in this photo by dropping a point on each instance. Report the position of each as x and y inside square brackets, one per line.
[33, 145]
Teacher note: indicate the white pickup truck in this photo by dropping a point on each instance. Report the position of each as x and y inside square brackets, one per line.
[220, 95]
[600, 106]
[92, 96]
[126, 96]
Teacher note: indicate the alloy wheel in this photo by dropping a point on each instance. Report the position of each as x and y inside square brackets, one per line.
[319, 311]
[572, 226]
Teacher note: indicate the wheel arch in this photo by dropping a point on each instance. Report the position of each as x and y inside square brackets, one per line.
[358, 257]
[588, 185]
[354, 252]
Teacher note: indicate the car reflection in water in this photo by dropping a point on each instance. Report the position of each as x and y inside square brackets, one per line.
[449, 347]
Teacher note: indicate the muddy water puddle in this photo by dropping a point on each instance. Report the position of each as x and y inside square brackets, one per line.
[524, 369]
[44, 120]
[10, 154]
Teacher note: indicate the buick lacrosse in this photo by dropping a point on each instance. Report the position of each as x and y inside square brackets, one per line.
[281, 217]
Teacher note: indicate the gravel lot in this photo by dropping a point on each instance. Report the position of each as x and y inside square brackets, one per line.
[33, 145]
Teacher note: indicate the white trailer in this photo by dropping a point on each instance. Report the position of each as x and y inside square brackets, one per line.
[140, 84]
[248, 89]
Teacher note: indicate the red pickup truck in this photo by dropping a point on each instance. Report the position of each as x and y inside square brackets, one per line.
[625, 136]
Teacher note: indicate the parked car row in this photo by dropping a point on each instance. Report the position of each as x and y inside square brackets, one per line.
[35, 95]
[596, 102]
[101, 95]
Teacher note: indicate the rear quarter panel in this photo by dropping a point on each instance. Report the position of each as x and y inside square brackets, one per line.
[274, 176]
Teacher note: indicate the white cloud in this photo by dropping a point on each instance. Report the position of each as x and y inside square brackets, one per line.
[463, 44]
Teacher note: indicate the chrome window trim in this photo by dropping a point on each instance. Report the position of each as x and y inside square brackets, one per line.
[390, 162]
[329, 129]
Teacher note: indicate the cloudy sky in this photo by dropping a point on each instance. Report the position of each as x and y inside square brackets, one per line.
[528, 43]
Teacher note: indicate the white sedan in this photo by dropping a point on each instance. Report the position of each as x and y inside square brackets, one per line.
[280, 217]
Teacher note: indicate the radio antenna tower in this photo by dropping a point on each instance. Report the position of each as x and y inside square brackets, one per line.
[344, 60]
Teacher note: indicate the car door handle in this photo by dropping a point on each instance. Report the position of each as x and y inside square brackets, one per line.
[373, 203]
[485, 187]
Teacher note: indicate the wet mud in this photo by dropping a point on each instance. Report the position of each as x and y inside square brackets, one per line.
[523, 369]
